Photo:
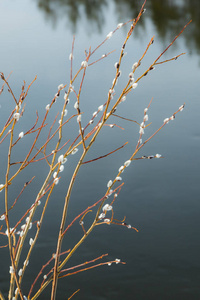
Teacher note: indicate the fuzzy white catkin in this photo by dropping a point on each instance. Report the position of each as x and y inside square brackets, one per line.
[119, 25]
[61, 86]
[23, 226]
[18, 106]
[84, 64]
[78, 118]
[61, 158]
[109, 183]
[134, 85]
[2, 218]
[47, 107]
[106, 220]
[56, 180]
[121, 169]
[74, 151]
[21, 135]
[131, 75]
[65, 112]
[166, 120]
[107, 207]
[110, 192]
[123, 98]
[100, 108]
[16, 116]
[141, 131]
[71, 56]
[109, 35]
[127, 163]
[31, 241]
[116, 65]
[26, 263]
[117, 260]
[135, 65]
[76, 105]
[101, 216]
[54, 174]
[61, 168]
[65, 96]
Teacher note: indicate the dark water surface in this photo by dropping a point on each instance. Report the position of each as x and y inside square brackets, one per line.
[160, 197]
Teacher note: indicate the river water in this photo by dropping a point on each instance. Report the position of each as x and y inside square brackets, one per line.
[160, 197]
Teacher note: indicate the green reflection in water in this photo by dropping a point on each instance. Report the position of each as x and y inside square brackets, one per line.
[74, 11]
[168, 16]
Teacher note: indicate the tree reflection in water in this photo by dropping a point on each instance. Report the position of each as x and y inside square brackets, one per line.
[167, 15]
[74, 11]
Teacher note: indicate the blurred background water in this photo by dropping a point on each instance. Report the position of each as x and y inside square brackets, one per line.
[160, 197]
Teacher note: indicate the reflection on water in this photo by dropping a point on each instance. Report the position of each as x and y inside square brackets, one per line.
[166, 15]
[73, 11]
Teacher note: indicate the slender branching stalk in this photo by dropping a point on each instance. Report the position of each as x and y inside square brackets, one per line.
[56, 158]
